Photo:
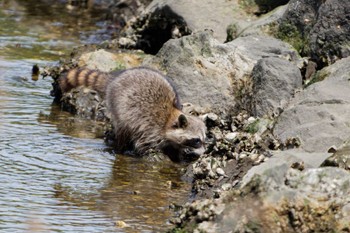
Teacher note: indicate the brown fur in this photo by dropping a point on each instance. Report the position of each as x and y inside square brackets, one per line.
[84, 77]
[145, 111]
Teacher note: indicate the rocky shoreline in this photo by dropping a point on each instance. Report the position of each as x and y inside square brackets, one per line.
[271, 81]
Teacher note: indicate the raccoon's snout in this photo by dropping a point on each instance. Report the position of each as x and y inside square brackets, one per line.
[190, 155]
[194, 143]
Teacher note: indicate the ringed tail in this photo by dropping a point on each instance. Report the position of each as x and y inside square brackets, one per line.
[93, 79]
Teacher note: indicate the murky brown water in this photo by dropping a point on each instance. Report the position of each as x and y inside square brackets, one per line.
[56, 175]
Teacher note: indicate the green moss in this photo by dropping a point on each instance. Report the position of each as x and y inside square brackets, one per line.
[290, 34]
[317, 77]
[253, 127]
[189, 227]
[120, 66]
[253, 226]
[232, 32]
[177, 230]
[249, 6]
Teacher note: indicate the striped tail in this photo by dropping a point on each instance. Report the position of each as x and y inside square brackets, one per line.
[93, 79]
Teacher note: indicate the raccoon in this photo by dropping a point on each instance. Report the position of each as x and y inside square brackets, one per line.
[145, 111]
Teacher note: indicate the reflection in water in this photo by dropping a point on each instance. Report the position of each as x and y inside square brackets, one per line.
[56, 173]
[136, 192]
[71, 125]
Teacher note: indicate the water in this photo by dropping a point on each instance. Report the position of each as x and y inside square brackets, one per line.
[56, 174]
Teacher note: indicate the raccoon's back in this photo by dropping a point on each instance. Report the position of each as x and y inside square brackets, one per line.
[141, 99]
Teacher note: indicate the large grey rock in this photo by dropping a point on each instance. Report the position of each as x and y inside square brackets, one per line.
[275, 81]
[248, 25]
[319, 28]
[280, 199]
[281, 161]
[166, 19]
[199, 15]
[320, 114]
[285, 195]
[100, 60]
[313, 200]
[211, 74]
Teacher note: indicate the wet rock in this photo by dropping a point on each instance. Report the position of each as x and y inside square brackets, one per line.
[275, 81]
[199, 64]
[86, 103]
[120, 224]
[319, 115]
[318, 29]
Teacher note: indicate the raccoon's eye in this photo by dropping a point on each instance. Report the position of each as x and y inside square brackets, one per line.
[194, 142]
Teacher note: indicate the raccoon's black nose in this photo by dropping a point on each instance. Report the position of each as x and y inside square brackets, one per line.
[194, 142]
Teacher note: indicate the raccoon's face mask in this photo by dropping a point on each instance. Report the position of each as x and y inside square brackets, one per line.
[185, 140]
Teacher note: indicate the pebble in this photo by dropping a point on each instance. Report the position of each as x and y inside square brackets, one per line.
[231, 136]
[233, 128]
[120, 224]
[332, 149]
[242, 155]
[212, 116]
[226, 186]
[259, 160]
[254, 157]
[251, 120]
[220, 171]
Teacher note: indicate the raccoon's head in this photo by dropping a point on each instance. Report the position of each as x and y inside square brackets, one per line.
[184, 139]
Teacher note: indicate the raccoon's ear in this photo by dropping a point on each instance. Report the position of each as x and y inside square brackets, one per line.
[183, 121]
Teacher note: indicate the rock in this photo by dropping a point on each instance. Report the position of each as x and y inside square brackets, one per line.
[166, 19]
[199, 64]
[106, 61]
[231, 136]
[255, 47]
[120, 12]
[275, 81]
[248, 25]
[211, 119]
[120, 224]
[314, 200]
[318, 29]
[220, 171]
[277, 200]
[319, 115]
[100, 60]
[340, 158]
[86, 103]
[254, 157]
[259, 7]
[281, 161]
